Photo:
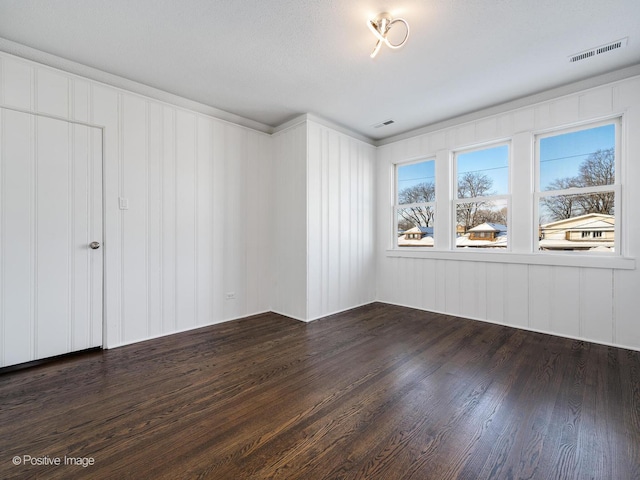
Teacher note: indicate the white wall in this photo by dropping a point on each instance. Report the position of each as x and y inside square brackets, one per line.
[298, 222]
[289, 293]
[199, 192]
[324, 228]
[341, 218]
[597, 304]
[286, 222]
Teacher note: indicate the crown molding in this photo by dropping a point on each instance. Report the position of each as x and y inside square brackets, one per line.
[522, 102]
[74, 68]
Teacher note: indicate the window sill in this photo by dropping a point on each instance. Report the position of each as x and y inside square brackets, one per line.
[553, 259]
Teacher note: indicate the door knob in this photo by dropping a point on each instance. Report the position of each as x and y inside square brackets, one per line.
[94, 245]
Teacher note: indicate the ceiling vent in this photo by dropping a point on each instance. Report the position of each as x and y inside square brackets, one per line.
[598, 50]
[384, 124]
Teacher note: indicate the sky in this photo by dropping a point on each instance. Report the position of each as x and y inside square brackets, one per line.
[415, 173]
[492, 162]
[560, 156]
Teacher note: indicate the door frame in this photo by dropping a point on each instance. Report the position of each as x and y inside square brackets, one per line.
[103, 245]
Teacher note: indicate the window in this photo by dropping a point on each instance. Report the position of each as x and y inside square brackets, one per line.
[577, 189]
[482, 200]
[415, 204]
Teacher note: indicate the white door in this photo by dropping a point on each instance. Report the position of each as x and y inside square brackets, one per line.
[50, 212]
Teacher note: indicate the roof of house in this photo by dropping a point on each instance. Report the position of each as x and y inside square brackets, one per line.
[420, 229]
[489, 227]
[589, 220]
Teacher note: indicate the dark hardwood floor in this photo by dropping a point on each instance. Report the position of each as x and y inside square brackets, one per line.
[379, 392]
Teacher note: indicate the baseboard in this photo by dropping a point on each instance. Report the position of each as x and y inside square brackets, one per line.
[528, 329]
[182, 330]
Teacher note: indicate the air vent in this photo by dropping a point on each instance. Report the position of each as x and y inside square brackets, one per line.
[599, 50]
[582, 56]
[383, 124]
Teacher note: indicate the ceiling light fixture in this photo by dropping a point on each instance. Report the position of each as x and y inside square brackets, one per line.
[380, 27]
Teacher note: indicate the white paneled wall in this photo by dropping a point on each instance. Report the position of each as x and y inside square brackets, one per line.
[299, 222]
[340, 216]
[324, 229]
[198, 191]
[597, 304]
[289, 294]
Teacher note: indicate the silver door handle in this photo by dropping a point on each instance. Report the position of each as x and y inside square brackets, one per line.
[94, 245]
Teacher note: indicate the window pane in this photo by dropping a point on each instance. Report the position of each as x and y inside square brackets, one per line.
[482, 224]
[559, 207]
[483, 172]
[578, 159]
[416, 183]
[415, 227]
[567, 222]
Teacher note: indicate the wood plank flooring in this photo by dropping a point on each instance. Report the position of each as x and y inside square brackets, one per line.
[379, 392]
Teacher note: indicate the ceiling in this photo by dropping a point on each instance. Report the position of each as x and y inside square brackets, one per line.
[272, 60]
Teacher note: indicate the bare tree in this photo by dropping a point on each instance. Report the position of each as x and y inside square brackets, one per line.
[416, 216]
[561, 206]
[597, 169]
[404, 224]
[472, 185]
[491, 216]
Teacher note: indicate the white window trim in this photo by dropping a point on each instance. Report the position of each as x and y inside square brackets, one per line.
[593, 260]
[616, 187]
[443, 251]
[488, 198]
[397, 205]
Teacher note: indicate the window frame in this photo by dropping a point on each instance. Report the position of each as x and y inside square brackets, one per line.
[523, 250]
[616, 187]
[397, 205]
[500, 197]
